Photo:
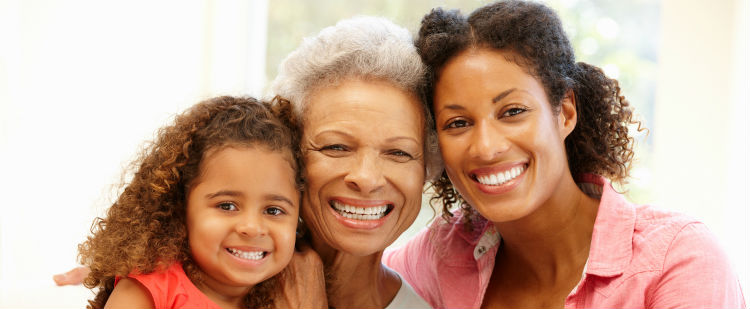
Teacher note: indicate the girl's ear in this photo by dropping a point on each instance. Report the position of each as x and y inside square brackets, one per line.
[568, 116]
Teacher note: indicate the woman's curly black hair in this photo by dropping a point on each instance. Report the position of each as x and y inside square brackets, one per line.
[533, 34]
[145, 229]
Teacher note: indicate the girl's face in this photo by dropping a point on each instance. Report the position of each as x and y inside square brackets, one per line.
[363, 147]
[502, 143]
[242, 216]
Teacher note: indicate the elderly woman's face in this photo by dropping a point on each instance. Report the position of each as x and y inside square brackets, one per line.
[363, 147]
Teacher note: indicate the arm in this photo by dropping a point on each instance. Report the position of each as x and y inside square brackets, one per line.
[303, 283]
[128, 293]
[696, 274]
[74, 276]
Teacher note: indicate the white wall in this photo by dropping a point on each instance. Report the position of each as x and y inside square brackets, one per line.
[82, 84]
[700, 119]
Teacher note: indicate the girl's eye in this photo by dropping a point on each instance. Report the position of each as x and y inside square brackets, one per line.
[274, 211]
[227, 206]
[513, 111]
[458, 123]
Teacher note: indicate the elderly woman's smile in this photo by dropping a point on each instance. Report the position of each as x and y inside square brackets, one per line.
[363, 148]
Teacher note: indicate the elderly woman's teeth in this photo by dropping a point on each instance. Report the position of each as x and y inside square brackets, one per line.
[247, 255]
[502, 177]
[360, 213]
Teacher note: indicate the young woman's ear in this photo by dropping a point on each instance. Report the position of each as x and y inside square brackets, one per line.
[568, 116]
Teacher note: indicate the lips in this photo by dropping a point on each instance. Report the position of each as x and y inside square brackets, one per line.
[252, 255]
[360, 214]
[499, 179]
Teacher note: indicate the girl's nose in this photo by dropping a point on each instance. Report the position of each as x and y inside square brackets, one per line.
[251, 226]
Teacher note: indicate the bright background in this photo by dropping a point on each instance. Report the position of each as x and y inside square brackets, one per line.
[83, 83]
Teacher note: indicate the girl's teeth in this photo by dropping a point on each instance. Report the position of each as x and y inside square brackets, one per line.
[359, 213]
[251, 255]
[502, 177]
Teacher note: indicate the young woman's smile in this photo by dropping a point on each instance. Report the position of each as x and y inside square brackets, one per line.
[502, 142]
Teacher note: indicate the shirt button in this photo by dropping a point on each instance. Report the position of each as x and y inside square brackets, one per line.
[481, 249]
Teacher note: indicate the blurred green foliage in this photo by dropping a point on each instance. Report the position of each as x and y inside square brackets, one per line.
[619, 36]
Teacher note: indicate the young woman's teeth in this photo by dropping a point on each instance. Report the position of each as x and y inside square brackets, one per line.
[360, 213]
[502, 177]
[251, 255]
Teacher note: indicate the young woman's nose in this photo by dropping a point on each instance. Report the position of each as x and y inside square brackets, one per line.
[487, 142]
[251, 226]
[365, 173]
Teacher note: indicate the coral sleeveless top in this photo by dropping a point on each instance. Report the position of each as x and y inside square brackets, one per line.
[173, 289]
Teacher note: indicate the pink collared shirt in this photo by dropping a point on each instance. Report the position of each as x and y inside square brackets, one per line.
[640, 257]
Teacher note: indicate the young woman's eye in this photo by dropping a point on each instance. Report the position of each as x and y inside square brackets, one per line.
[513, 111]
[274, 211]
[458, 123]
[227, 206]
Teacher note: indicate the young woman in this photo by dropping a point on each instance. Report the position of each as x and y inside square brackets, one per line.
[531, 140]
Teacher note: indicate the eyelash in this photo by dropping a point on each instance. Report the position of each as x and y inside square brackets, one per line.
[518, 110]
[334, 147]
[280, 211]
[222, 204]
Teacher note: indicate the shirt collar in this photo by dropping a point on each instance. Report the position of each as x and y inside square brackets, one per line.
[612, 239]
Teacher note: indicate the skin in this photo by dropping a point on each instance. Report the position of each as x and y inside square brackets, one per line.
[363, 145]
[491, 116]
[245, 198]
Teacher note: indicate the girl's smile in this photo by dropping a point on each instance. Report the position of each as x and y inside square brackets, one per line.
[242, 216]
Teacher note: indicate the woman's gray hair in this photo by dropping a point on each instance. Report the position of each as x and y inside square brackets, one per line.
[369, 48]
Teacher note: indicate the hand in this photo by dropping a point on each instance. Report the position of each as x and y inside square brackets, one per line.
[304, 283]
[74, 276]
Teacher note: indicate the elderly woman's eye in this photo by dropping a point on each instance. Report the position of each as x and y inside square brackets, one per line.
[399, 155]
[227, 206]
[334, 147]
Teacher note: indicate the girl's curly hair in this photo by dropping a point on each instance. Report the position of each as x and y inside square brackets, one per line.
[534, 36]
[145, 229]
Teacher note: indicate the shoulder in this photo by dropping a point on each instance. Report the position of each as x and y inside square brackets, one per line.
[129, 293]
[407, 298]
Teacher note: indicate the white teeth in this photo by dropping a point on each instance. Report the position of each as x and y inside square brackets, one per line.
[360, 213]
[501, 177]
[251, 255]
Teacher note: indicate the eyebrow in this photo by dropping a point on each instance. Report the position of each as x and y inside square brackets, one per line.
[223, 193]
[272, 197]
[502, 95]
[348, 135]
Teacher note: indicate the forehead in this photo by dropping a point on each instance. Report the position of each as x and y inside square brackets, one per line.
[373, 104]
[476, 71]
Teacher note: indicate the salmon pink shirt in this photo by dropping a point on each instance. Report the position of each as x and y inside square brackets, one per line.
[640, 257]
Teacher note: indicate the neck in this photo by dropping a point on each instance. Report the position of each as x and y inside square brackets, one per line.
[223, 295]
[357, 281]
[552, 243]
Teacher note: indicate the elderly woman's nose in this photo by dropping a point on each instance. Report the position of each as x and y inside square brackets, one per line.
[365, 174]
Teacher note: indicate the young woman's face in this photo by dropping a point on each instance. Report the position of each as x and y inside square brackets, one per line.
[242, 215]
[502, 143]
[363, 148]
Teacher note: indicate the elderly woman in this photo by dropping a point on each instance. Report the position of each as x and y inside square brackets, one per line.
[366, 144]
[527, 136]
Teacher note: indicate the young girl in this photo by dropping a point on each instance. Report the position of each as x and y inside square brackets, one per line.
[209, 218]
